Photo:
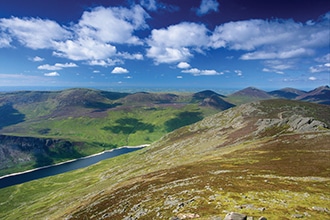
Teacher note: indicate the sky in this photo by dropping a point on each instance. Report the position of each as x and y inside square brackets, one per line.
[269, 44]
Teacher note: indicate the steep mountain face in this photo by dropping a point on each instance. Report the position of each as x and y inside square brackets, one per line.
[19, 151]
[206, 94]
[267, 158]
[212, 99]
[319, 95]
[287, 93]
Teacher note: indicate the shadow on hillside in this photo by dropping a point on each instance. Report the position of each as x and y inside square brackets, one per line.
[183, 119]
[43, 160]
[129, 126]
[101, 106]
[61, 151]
[10, 116]
[114, 95]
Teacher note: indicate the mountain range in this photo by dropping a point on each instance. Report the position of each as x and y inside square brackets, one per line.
[319, 95]
[90, 121]
[116, 119]
[265, 158]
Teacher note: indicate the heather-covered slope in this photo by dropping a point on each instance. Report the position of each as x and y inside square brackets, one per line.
[286, 93]
[268, 158]
[248, 95]
[319, 95]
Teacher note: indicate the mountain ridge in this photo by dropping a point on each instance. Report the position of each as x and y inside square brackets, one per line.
[287, 93]
[117, 118]
[253, 158]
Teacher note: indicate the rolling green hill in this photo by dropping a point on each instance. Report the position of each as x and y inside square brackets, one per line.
[268, 158]
[91, 121]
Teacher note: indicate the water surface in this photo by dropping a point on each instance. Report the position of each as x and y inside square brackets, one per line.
[42, 172]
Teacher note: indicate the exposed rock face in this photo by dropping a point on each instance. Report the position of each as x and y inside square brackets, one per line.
[295, 123]
[16, 150]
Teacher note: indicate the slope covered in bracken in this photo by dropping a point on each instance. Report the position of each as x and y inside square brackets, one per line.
[267, 158]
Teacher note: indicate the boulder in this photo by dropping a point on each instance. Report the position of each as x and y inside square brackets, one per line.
[235, 216]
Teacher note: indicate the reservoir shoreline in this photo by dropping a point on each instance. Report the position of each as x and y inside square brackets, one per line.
[111, 153]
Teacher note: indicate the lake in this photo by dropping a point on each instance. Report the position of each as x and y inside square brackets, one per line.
[10, 180]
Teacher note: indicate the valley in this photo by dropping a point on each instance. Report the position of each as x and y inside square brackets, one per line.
[265, 158]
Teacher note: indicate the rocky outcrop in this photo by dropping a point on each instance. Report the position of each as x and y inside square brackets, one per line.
[294, 123]
[235, 216]
[229, 216]
[15, 150]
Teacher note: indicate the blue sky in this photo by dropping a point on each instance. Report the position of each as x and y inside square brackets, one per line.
[165, 43]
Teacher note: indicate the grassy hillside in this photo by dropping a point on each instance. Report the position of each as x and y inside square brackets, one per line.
[92, 115]
[268, 158]
[94, 120]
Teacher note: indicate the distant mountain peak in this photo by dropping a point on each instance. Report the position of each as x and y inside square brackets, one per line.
[252, 92]
[319, 95]
[287, 93]
[205, 94]
[213, 99]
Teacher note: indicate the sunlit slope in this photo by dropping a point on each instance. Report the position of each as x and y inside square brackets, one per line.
[268, 158]
[91, 121]
[96, 116]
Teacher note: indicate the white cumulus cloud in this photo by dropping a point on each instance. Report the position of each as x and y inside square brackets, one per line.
[115, 25]
[105, 63]
[52, 74]
[176, 42]
[183, 65]
[37, 59]
[56, 66]
[320, 68]
[34, 33]
[324, 67]
[271, 39]
[272, 71]
[207, 6]
[84, 49]
[93, 37]
[284, 54]
[198, 72]
[5, 40]
[99, 29]
[119, 70]
[128, 56]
